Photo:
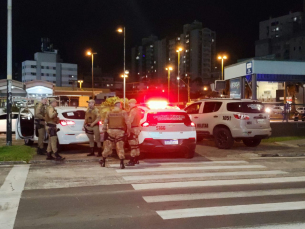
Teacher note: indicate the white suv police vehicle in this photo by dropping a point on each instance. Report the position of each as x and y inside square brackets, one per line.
[229, 119]
[167, 130]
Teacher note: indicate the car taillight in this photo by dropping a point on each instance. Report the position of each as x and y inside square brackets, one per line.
[241, 116]
[190, 124]
[145, 124]
[66, 122]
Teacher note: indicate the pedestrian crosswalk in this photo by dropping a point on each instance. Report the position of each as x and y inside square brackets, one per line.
[268, 189]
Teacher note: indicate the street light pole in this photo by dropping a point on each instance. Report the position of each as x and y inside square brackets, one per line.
[222, 58]
[9, 75]
[168, 80]
[178, 51]
[89, 53]
[124, 80]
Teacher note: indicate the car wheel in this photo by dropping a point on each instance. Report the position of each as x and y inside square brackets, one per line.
[28, 142]
[251, 142]
[223, 138]
[189, 154]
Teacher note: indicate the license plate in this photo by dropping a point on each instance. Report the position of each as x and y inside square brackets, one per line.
[171, 142]
[260, 120]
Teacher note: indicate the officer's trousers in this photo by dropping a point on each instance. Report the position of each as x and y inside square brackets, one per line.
[52, 144]
[117, 136]
[134, 141]
[41, 134]
[95, 136]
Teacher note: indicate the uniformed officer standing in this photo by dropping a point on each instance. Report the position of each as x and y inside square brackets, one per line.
[40, 113]
[51, 120]
[117, 121]
[134, 118]
[91, 127]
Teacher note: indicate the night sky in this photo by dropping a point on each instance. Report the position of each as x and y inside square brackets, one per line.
[76, 25]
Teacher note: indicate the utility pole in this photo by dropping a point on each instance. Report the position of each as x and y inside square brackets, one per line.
[188, 89]
[9, 75]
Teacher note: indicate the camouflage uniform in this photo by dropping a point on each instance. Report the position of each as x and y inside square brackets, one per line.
[134, 118]
[93, 115]
[40, 113]
[117, 121]
[51, 120]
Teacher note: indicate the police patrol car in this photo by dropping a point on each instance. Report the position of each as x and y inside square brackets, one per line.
[167, 129]
[229, 119]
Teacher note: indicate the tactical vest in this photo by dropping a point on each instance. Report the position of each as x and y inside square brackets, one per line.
[48, 119]
[116, 120]
[41, 108]
[137, 118]
[90, 116]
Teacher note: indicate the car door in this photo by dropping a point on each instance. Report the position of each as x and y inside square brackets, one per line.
[25, 124]
[209, 116]
[194, 111]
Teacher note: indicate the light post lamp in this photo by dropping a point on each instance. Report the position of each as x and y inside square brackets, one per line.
[125, 75]
[89, 53]
[169, 69]
[222, 58]
[80, 83]
[179, 49]
[122, 30]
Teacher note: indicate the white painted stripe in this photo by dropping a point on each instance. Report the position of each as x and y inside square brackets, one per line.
[186, 163]
[217, 183]
[10, 193]
[272, 226]
[131, 170]
[194, 175]
[222, 195]
[231, 210]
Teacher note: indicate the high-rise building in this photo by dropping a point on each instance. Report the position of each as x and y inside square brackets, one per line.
[48, 66]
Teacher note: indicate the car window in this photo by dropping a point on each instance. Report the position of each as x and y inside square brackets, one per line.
[246, 107]
[193, 109]
[74, 114]
[2, 117]
[168, 117]
[210, 107]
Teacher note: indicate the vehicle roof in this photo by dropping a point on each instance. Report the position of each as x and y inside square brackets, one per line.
[228, 99]
[165, 110]
[70, 108]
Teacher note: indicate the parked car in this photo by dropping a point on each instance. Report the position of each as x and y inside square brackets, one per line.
[300, 110]
[227, 120]
[70, 126]
[3, 118]
[274, 110]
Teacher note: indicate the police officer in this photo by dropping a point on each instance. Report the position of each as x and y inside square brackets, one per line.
[117, 121]
[91, 127]
[40, 113]
[51, 120]
[134, 118]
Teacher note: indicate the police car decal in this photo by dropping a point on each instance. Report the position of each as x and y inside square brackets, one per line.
[227, 118]
[202, 125]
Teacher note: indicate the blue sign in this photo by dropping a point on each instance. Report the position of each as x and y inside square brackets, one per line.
[249, 68]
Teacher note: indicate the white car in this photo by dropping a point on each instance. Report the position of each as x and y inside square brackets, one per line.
[300, 110]
[230, 119]
[3, 122]
[274, 110]
[70, 126]
[167, 130]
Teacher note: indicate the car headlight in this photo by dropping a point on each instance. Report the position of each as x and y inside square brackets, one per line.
[267, 110]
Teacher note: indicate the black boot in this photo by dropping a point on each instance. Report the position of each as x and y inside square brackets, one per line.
[103, 162]
[50, 157]
[99, 154]
[131, 162]
[40, 151]
[92, 152]
[136, 160]
[122, 166]
[58, 157]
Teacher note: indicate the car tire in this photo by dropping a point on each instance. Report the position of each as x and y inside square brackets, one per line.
[28, 142]
[189, 154]
[223, 138]
[251, 142]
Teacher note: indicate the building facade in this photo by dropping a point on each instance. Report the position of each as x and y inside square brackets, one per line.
[48, 66]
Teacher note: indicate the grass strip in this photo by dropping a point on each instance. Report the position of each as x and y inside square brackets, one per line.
[16, 153]
[281, 139]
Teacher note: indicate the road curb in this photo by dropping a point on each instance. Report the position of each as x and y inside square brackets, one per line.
[283, 155]
[287, 144]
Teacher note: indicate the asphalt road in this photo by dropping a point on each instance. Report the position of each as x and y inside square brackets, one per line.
[158, 193]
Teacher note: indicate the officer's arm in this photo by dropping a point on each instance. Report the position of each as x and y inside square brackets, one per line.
[38, 112]
[105, 123]
[127, 121]
[131, 115]
[51, 112]
[98, 118]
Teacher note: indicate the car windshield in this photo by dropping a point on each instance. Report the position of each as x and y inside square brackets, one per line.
[246, 107]
[74, 114]
[168, 117]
